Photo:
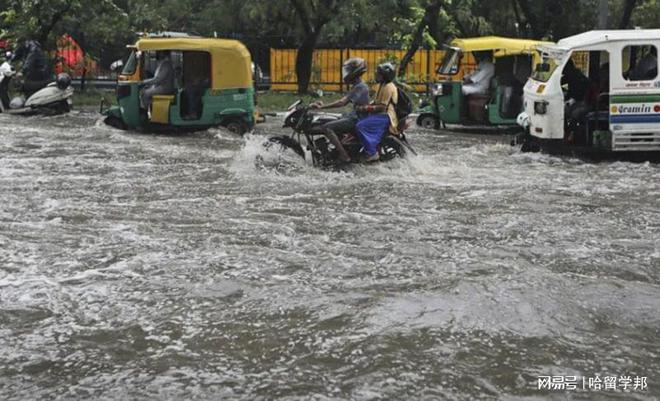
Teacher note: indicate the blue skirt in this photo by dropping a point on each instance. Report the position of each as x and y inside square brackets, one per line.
[370, 131]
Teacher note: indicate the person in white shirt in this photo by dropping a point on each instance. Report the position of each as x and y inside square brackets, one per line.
[478, 82]
[162, 82]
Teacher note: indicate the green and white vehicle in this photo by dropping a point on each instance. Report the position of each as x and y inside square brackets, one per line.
[620, 116]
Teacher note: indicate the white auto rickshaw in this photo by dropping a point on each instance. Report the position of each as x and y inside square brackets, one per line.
[596, 95]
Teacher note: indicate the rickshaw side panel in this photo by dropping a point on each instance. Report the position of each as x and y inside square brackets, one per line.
[635, 121]
[449, 105]
[218, 107]
[128, 98]
[494, 110]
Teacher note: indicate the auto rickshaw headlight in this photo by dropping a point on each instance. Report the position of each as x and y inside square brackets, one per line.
[437, 90]
[540, 107]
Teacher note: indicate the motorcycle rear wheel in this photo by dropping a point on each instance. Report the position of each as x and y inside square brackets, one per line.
[391, 147]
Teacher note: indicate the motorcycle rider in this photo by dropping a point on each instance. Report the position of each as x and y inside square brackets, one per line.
[35, 68]
[352, 71]
[382, 113]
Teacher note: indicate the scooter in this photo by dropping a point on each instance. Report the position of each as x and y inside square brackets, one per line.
[55, 98]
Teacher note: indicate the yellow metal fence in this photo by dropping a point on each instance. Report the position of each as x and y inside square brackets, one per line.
[326, 67]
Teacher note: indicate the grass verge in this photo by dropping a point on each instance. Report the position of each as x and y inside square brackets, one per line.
[268, 102]
[91, 98]
[272, 101]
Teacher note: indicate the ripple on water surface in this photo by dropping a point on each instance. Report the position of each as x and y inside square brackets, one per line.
[175, 267]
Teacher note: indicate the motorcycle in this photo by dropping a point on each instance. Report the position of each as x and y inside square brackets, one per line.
[307, 125]
[53, 99]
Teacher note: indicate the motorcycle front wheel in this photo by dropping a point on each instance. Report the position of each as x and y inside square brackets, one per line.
[286, 142]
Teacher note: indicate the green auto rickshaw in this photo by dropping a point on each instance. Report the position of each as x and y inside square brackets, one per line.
[212, 86]
[513, 61]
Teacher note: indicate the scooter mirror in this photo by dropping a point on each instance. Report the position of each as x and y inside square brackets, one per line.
[116, 66]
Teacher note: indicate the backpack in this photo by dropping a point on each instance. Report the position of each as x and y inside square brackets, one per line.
[404, 106]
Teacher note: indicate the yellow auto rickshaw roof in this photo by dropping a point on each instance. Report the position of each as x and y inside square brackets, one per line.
[499, 45]
[231, 63]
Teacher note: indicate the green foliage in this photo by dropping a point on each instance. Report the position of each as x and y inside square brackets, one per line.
[103, 26]
[389, 57]
[647, 14]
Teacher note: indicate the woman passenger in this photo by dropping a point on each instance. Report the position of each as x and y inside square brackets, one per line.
[382, 114]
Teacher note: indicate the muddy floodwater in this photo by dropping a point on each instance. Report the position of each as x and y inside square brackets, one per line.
[152, 267]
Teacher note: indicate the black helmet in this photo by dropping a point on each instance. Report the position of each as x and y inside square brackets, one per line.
[353, 68]
[387, 72]
[63, 80]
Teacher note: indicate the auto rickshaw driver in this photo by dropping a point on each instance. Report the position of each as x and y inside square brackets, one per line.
[162, 82]
[478, 82]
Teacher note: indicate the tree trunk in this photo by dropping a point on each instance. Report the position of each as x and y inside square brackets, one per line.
[312, 27]
[47, 27]
[519, 22]
[430, 15]
[434, 31]
[82, 42]
[603, 14]
[304, 60]
[628, 8]
[531, 18]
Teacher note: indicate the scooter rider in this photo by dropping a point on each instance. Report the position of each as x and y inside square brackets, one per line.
[5, 73]
[352, 71]
[35, 69]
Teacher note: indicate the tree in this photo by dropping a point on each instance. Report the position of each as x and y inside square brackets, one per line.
[647, 15]
[628, 8]
[36, 20]
[104, 27]
[313, 15]
[428, 21]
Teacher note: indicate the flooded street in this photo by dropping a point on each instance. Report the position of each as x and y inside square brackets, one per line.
[151, 267]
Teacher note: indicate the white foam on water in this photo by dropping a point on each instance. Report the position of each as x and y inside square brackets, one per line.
[126, 254]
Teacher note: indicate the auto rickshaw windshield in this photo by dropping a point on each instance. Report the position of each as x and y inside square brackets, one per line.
[543, 70]
[450, 61]
[131, 64]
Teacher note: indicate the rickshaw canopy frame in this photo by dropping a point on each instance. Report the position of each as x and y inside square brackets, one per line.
[500, 46]
[231, 63]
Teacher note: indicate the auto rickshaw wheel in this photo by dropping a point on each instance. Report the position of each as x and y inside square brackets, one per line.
[428, 121]
[236, 127]
[115, 122]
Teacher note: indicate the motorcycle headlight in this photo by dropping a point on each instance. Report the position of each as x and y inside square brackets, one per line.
[541, 107]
